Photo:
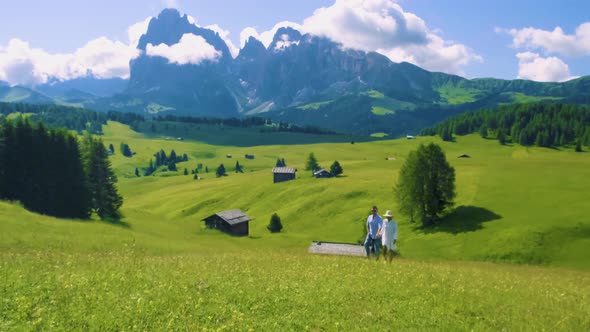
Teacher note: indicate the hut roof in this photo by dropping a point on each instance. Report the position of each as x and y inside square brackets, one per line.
[232, 217]
[334, 248]
[283, 170]
[321, 171]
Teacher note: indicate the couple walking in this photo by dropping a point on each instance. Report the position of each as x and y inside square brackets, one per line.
[381, 233]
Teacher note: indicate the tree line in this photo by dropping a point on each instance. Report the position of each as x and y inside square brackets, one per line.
[547, 125]
[73, 118]
[248, 122]
[50, 172]
[166, 160]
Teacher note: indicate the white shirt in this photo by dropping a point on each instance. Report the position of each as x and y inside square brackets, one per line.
[389, 234]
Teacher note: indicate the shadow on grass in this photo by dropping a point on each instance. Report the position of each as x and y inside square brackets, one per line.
[461, 220]
[117, 222]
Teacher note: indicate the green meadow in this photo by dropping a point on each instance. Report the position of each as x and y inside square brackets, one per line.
[513, 254]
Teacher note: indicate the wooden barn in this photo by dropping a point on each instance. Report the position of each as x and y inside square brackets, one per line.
[282, 174]
[234, 222]
[322, 173]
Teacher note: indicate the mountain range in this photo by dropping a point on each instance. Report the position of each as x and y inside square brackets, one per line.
[299, 78]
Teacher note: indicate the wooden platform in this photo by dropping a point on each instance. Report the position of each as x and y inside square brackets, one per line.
[334, 248]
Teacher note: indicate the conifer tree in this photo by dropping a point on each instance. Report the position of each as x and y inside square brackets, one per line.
[101, 179]
[239, 168]
[312, 163]
[275, 225]
[220, 171]
[336, 169]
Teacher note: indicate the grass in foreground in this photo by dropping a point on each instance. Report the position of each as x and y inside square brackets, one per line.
[269, 290]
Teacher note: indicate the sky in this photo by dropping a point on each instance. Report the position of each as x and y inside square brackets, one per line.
[540, 40]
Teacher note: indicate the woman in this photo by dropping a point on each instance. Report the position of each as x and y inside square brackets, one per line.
[389, 236]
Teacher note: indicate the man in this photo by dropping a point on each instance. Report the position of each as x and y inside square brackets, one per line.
[373, 240]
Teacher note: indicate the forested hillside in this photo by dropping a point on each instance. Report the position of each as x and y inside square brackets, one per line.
[547, 125]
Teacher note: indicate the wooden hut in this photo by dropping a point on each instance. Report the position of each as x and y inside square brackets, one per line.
[282, 174]
[322, 173]
[233, 222]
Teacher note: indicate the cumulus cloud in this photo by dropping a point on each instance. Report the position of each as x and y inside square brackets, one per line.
[532, 66]
[224, 34]
[556, 41]
[135, 31]
[191, 49]
[20, 63]
[382, 26]
[266, 37]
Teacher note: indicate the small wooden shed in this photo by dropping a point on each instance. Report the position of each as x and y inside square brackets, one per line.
[322, 173]
[233, 222]
[282, 174]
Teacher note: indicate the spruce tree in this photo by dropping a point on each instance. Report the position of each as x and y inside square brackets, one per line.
[312, 163]
[239, 168]
[101, 179]
[136, 172]
[336, 169]
[275, 225]
[220, 171]
[185, 171]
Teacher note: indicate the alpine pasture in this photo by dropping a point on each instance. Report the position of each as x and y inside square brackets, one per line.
[513, 254]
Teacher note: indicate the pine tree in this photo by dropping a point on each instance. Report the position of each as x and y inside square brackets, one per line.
[275, 225]
[172, 166]
[112, 148]
[312, 163]
[483, 131]
[136, 172]
[185, 157]
[220, 171]
[206, 169]
[501, 137]
[185, 171]
[101, 179]
[579, 146]
[239, 168]
[173, 156]
[336, 169]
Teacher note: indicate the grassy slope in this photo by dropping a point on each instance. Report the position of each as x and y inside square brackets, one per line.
[160, 269]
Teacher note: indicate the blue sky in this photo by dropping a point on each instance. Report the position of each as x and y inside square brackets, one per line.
[502, 39]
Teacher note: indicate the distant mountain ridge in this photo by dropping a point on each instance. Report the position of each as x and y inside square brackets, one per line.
[306, 79]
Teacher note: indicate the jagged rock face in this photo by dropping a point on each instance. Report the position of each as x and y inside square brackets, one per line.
[294, 69]
[199, 89]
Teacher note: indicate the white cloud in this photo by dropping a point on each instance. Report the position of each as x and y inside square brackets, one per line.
[190, 49]
[556, 41]
[532, 66]
[171, 3]
[135, 31]
[266, 36]
[284, 42]
[224, 35]
[382, 26]
[103, 58]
